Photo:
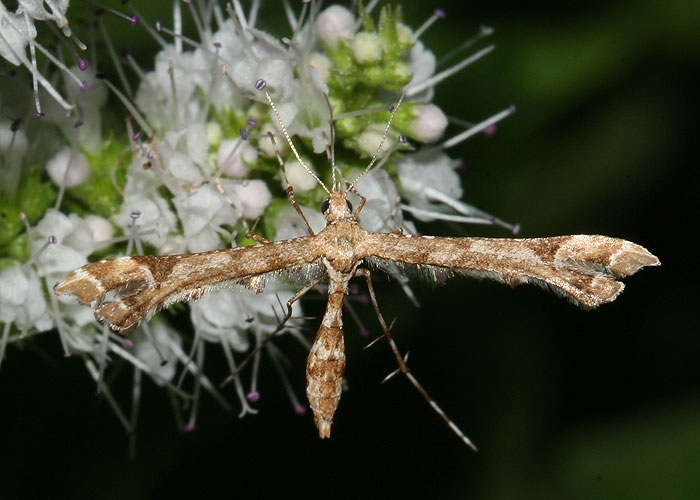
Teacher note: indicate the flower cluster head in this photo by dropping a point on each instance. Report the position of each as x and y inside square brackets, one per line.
[198, 168]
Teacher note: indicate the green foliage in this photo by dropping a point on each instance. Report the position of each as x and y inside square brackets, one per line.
[101, 193]
[33, 196]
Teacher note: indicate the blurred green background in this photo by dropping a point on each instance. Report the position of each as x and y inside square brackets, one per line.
[563, 404]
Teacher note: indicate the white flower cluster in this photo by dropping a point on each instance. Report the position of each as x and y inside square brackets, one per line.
[203, 164]
[18, 34]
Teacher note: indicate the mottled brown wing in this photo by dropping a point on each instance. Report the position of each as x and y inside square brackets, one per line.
[125, 290]
[585, 269]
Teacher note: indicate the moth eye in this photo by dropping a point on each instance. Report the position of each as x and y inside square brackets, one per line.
[326, 205]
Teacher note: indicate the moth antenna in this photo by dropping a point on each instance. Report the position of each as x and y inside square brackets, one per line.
[261, 84]
[290, 188]
[376, 154]
[331, 145]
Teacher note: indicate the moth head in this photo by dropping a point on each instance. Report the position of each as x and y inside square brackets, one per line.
[336, 207]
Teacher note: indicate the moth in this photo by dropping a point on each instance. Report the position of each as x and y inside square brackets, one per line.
[586, 269]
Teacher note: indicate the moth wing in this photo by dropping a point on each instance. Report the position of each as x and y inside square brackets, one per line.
[583, 268]
[126, 290]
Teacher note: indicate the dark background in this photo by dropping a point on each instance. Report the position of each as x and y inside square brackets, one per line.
[563, 404]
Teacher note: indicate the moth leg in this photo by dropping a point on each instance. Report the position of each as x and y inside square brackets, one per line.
[401, 360]
[363, 200]
[256, 350]
[249, 232]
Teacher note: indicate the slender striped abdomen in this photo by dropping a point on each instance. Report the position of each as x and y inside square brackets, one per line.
[326, 364]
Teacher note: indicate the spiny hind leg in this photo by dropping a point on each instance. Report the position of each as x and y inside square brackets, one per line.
[401, 360]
